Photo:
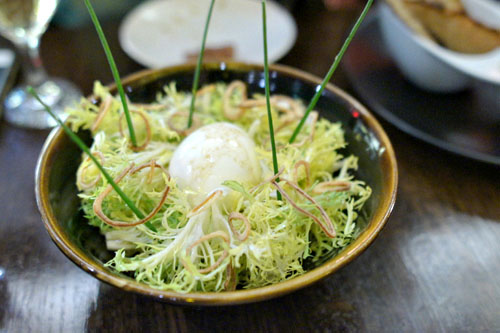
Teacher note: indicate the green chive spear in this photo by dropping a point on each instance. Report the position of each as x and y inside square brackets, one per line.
[198, 66]
[86, 149]
[114, 70]
[332, 69]
[268, 102]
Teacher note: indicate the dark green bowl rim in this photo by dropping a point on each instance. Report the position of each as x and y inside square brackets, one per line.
[380, 215]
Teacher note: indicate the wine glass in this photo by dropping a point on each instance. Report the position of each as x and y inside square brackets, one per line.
[23, 22]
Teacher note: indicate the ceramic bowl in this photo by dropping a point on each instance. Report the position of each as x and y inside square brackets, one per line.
[57, 200]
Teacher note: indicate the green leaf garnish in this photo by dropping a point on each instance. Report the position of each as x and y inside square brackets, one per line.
[198, 66]
[114, 70]
[332, 69]
[235, 186]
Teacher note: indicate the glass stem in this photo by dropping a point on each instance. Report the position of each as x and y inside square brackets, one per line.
[34, 73]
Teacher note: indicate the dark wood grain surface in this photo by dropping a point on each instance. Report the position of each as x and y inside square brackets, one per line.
[435, 267]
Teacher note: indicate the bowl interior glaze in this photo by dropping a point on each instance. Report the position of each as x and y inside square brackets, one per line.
[57, 194]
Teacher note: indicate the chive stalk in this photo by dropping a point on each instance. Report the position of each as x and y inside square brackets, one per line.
[268, 101]
[332, 69]
[114, 70]
[198, 66]
[86, 149]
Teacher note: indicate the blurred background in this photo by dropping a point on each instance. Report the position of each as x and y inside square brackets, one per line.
[72, 13]
[71, 34]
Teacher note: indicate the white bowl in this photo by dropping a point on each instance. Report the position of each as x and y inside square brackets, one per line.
[486, 12]
[435, 68]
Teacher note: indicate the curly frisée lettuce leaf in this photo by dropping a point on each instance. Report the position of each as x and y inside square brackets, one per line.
[242, 235]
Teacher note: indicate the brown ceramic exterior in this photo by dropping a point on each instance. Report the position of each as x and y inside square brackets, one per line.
[387, 164]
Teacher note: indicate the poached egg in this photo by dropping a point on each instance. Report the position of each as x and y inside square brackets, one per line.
[211, 155]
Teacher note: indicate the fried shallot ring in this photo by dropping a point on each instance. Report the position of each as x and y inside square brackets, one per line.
[314, 119]
[150, 107]
[285, 121]
[205, 90]
[328, 229]
[230, 283]
[315, 116]
[129, 170]
[198, 209]
[277, 101]
[306, 166]
[332, 186]
[251, 103]
[292, 106]
[151, 171]
[238, 216]
[233, 112]
[269, 180]
[148, 130]
[103, 110]
[184, 131]
[80, 173]
[224, 255]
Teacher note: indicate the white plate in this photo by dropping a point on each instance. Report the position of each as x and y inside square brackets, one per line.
[161, 33]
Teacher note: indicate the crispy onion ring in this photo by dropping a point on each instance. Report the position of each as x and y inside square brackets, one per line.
[251, 103]
[314, 119]
[291, 105]
[151, 171]
[184, 131]
[198, 209]
[306, 166]
[205, 90]
[81, 172]
[332, 186]
[269, 180]
[230, 283]
[238, 216]
[261, 102]
[148, 130]
[292, 108]
[329, 229]
[285, 121]
[315, 116]
[150, 107]
[224, 255]
[103, 110]
[233, 112]
[129, 170]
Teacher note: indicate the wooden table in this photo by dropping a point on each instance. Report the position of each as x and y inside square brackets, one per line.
[435, 266]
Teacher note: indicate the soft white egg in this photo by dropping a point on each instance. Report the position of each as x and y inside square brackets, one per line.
[211, 155]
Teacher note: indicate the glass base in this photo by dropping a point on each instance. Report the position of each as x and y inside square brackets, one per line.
[22, 109]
